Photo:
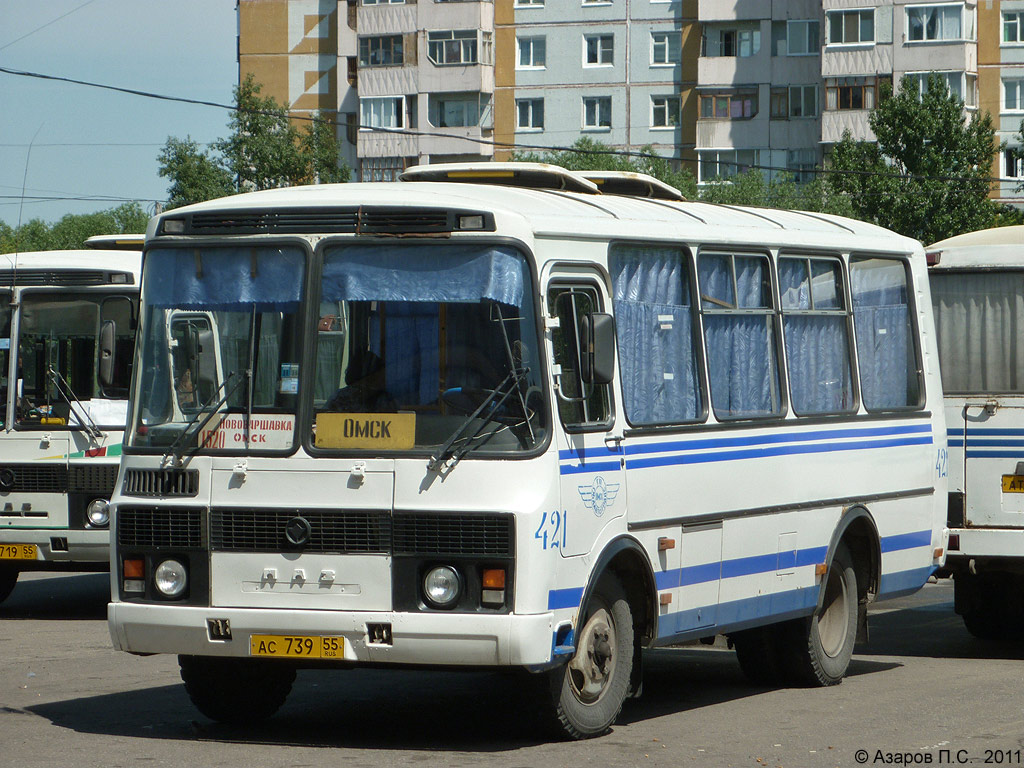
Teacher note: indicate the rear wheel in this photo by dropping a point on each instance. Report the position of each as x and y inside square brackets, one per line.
[587, 694]
[8, 578]
[758, 655]
[236, 690]
[817, 650]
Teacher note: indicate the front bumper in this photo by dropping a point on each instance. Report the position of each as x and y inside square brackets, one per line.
[60, 545]
[428, 639]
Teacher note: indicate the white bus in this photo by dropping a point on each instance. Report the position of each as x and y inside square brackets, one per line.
[67, 330]
[508, 416]
[977, 282]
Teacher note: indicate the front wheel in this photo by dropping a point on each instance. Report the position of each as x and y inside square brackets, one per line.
[587, 694]
[236, 690]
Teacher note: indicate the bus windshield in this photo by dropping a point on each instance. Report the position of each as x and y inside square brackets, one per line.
[979, 322]
[219, 349]
[427, 347]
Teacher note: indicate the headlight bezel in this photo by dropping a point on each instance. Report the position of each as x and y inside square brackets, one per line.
[438, 574]
[171, 564]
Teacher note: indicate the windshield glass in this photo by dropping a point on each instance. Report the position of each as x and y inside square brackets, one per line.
[418, 342]
[979, 323]
[60, 344]
[219, 351]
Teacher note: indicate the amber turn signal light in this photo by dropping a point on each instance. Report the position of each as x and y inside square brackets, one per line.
[134, 569]
[494, 578]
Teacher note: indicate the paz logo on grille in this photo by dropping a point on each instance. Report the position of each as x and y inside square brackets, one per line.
[7, 478]
[297, 531]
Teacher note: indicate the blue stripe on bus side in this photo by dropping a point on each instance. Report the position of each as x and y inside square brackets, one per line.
[744, 566]
[904, 582]
[1018, 454]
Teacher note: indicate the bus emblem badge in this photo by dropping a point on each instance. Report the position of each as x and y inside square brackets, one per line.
[599, 495]
[297, 531]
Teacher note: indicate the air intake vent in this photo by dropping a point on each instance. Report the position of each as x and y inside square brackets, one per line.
[178, 528]
[438, 534]
[98, 479]
[161, 482]
[256, 222]
[72, 277]
[38, 478]
[263, 530]
[365, 220]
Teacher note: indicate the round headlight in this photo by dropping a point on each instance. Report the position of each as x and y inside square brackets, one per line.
[98, 513]
[442, 586]
[170, 577]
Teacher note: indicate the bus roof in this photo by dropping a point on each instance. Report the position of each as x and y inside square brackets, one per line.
[995, 247]
[517, 210]
[70, 268]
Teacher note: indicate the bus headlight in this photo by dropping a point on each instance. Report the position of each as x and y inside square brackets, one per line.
[442, 586]
[170, 578]
[98, 513]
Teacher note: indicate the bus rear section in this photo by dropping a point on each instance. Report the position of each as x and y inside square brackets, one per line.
[977, 283]
[495, 417]
[68, 320]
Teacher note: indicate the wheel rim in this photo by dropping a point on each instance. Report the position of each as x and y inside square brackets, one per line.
[834, 618]
[593, 666]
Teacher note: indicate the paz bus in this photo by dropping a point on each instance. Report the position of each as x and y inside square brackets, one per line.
[977, 282]
[511, 416]
[68, 327]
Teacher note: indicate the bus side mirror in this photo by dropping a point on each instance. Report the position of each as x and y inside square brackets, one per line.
[108, 348]
[597, 348]
[204, 360]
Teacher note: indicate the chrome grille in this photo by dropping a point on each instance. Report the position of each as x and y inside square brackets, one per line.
[176, 527]
[262, 530]
[441, 534]
[98, 479]
[161, 482]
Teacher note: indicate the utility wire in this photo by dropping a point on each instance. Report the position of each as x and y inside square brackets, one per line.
[44, 26]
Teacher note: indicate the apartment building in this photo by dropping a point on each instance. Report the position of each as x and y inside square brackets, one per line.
[1001, 87]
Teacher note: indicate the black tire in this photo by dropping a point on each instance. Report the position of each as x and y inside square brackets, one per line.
[236, 690]
[586, 695]
[8, 578]
[985, 624]
[816, 651]
[758, 654]
[991, 605]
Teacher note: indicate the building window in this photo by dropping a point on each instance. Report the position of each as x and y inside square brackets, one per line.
[598, 50]
[802, 163]
[383, 51]
[851, 93]
[725, 163]
[1013, 95]
[530, 114]
[935, 22]
[529, 3]
[731, 42]
[452, 46]
[531, 53]
[456, 110]
[803, 101]
[1013, 27]
[851, 27]
[728, 105]
[597, 112]
[802, 38]
[1013, 164]
[666, 48]
[665, 111]
[382, 112]
[960, 84]
[380, 168]
[383, 2]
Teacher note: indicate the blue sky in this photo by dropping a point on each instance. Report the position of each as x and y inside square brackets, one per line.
[109, 141]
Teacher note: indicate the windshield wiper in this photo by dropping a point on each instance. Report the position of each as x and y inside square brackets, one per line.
[459, 444]
[69, 397]
[209, 410]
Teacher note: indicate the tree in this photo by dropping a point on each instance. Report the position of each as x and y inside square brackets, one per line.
[195, 175]
[927, 176]
[73, 229]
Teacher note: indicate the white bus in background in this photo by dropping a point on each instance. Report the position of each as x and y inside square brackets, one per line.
[505, 415]
[67, 330]
[977, 282]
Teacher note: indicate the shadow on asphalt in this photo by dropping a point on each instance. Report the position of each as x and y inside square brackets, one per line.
[65, 597]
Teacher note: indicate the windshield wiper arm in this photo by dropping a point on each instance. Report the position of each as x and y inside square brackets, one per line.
[69, 397]
[210, 409]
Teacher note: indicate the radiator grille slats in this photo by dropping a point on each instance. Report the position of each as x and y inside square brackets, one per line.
[177, 527]
[160, 482]
[476, 535]
[36, 478]
[99, 479]
[263, 530]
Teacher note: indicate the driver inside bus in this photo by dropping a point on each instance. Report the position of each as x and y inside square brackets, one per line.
[365, 388]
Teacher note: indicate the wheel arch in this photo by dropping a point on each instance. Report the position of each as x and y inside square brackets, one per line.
[857, 530]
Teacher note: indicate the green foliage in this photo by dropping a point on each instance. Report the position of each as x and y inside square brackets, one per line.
[73, 229]
[928, 175]
[263, 150]
[195, 175]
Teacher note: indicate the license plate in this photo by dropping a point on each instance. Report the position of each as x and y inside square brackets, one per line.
[1013, 483]
[297, 646]
[17, 551]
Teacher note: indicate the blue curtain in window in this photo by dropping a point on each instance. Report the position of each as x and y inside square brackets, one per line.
[411, 360]
[228, 279]
[819, 363]
[881, 318]
[654, 323]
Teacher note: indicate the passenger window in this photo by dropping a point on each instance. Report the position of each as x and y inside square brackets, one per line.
[739, 335]
[814, 325]
[889, 376]
[579, 404]
[655, 328]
